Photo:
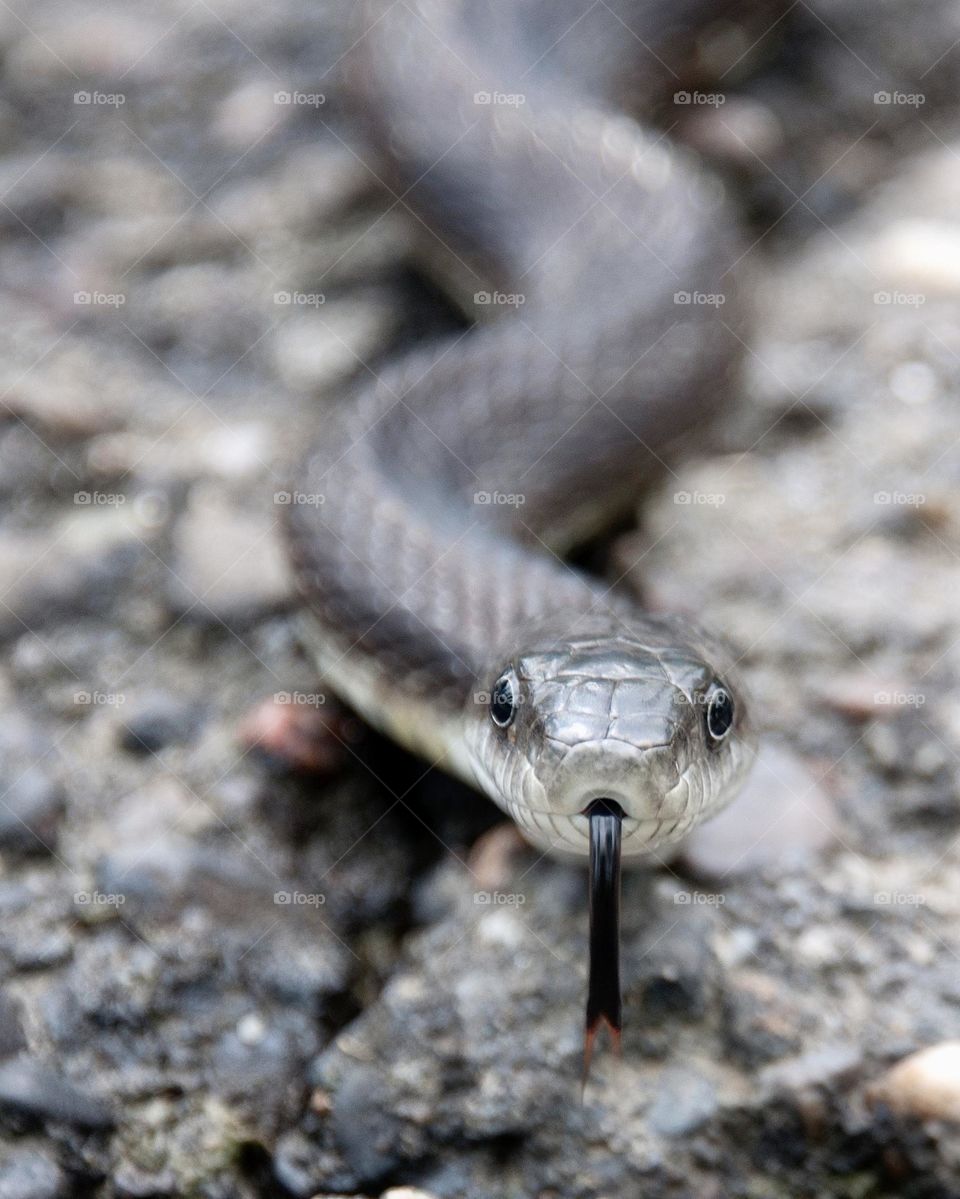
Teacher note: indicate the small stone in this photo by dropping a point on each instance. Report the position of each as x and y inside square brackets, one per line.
[761, 1022]
[32, 1089]
[251, 1029]
[782, 815]
[862, 696]
[925, 1085]
[364, 1133]
[914, 382]
[97, 44]
[318, 349]
[827, 1066]
[30, 814]
[685, 1101]
[238, 452]
[12, 1039]
[132, 1182]
[407, 1193]
[158, 720]
[78, 566]
[921, 256]
[298, 1162]
[248, 114]
[228, 564]
[884, 747]
[31, 1174]
[43, 952]
[674, 969]
[741, 133]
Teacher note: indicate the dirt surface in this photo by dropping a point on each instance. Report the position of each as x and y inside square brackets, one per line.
[239, 960]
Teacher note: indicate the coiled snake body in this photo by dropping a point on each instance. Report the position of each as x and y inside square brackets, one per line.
[430, 569]
[440, 609]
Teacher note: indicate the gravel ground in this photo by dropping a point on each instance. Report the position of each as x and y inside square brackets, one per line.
[234, 964]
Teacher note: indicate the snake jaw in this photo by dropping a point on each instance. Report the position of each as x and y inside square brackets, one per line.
[604, 1001]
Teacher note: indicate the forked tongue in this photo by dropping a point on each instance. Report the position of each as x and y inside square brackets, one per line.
[603, 990]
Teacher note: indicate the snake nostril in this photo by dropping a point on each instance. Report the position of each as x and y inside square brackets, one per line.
[603, 807]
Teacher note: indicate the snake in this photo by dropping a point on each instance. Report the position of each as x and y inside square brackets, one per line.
[443, 497]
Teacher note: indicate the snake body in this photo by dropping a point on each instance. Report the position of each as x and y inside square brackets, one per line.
[452, 482]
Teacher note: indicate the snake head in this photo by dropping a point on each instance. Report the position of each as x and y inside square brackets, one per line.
[645, 712]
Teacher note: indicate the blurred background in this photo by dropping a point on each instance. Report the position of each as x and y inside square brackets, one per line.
[247, 949]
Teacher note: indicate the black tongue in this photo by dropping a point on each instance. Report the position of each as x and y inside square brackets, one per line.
[603, 992]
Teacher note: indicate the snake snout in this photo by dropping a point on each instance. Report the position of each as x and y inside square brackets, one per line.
[638, 778]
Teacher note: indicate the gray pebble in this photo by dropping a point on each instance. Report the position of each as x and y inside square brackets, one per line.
[12, 1039]
[782, 815]
[157, 720]
[684, 1102]
[227, 564]
[30, 813]
[29, 1088]
[30, 1174]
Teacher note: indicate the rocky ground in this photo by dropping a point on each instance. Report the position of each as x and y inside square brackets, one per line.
[221, 976]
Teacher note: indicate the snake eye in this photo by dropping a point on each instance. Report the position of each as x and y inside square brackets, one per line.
[503, 699]
[720, 712]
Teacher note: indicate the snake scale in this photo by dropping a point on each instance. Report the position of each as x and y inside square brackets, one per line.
[440, 606]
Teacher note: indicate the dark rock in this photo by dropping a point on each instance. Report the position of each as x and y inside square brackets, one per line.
[158, 720]
[30, 813]
[299, 1164]
[77, 568]
[12, 1039]
[364, 1132]
[30, 1089]
[671, 971]
[31, 1174]
[43, 951]
[300, 962]
[761, 1020]
[255, 1057]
